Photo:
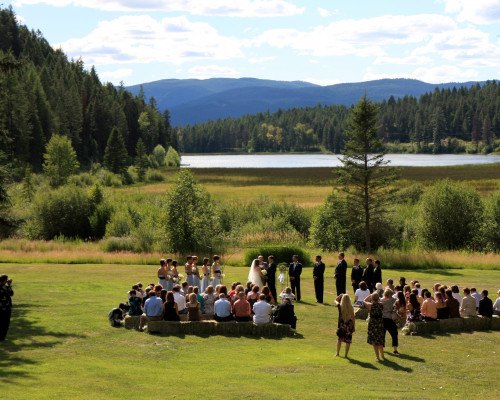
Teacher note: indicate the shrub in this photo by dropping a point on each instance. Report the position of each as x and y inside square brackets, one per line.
[172, 158]
[153, 175]
[113, 244]
[158, 155]
[130, 176]
[84, 179]
[411, 194]
[491, 227]
[282, 254]
[120, 224]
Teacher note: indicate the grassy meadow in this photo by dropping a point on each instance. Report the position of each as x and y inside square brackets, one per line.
[60, 345]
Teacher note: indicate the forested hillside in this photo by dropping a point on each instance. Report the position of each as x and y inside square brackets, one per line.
[42, 93]
[435, 122]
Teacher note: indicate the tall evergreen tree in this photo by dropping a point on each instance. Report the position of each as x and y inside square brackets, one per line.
[115, 155]
[361, 175]
[141, 160]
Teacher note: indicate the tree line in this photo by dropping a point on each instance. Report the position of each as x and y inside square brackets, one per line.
[435, 122]
[43, 94]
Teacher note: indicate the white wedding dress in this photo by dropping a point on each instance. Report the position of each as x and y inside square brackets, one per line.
[253, 274]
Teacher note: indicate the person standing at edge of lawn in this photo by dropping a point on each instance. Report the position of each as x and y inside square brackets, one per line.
[340, 275]
[319, 281]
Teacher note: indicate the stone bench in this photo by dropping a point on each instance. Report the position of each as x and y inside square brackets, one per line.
[270, 330]
[466, 324]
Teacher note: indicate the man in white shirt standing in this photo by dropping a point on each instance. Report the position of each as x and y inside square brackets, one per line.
[262, 311]
[468, 307]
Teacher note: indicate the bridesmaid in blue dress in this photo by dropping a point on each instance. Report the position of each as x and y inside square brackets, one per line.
[187, 268]
[205, 282]
[195, 276]
[168, 271]
[216, 272]
[162, 274]
[175, 274]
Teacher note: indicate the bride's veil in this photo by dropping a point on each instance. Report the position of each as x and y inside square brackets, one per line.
[252, 273]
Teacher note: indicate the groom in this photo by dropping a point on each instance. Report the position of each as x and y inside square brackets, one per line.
[271, 276]
[294, 271]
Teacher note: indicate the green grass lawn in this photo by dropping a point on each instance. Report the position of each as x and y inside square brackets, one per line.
[60, 345]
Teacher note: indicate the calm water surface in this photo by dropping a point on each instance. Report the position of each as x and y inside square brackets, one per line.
[327, 160]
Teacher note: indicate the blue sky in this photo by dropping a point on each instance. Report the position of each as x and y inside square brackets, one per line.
[323, 42]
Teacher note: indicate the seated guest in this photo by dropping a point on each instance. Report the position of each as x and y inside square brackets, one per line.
[496, 305]
[163, 295]
[179, 299]
[262, 311]
[417, 286]
[253, 296]
[239, 289]
[241, 308]
[468, 306]
[452, 304]
[135, 304]
[477, 296]
[222, 309]
[232, 292]
[184, 288]
[269, 297]
[361, 294]
[390, 284]
[428, 310]
[115, 317]
[146, 295]
[287, 294]
[402, 281]
[200, 299]
[435, 288]
[141, 293]
[485, 305]
[170, 310]
[284, 314]
[442, 310]
[136, 289]
[413, 308]
[209, 300]
[456, 294]
[158, 289]
[193, 307]
[153, 310]
[379, 289]
[248, 289]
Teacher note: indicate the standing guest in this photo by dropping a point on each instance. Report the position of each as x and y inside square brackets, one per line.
[193, 307]
[429, 309]
[135, 303]
[187, 270]
[179, 299]
[269, 297]
[271, 275]
[241, 309]
[170, 310]
[195, 272]
[287, 294]
[485, 305]
[377, 273]
[209, 300]
[361, 294]
[390, 284]
[380, 290]
[496, 305]
[368, 275]
[389, 325]
[153, 310]
[294, 271]
[199, 297]
[222, 309]
[162, 274]
[262, 311]
[468, 306]
[376, 336]
[400, 309]
[356, 275]
[340, 274]
[442, 309]
[205, 282]
[346, 325]
[456, 294]
[253, 296]
[477, 296]
[216, 271]
[6, 293]
[284, 314]
[318, 276]
[413, 308]
[452, 304]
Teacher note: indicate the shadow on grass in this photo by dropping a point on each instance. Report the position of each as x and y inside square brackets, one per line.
[207, 336]
[25, 334]
[395, 366]
[406, 357]
[362, 364]
[435, 270]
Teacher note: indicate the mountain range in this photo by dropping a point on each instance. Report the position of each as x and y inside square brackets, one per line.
[192, 101]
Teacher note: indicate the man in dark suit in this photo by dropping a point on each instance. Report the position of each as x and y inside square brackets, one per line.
[368, 275]
[356, 275]
[318, 276]
[271, 276]
[294, 271]
[340, 275]
[377, 273]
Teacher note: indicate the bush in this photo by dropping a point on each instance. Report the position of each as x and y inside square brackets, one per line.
[113, 244]
[120, 224]
[130, 176]
[158, 155]
[451, 216]
[282, 254]
[172, 158]
[491, 227]
[84, 179]
[411, 194]
[153, 175]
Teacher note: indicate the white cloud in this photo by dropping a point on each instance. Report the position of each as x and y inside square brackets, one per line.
[476, 11]
[228, 8]
[409, 60]
[364, 37]
[142, 39]
[116, 76]
[206, 71]
[441, 74]
[326, 13]
[321, 82]
[257, 60]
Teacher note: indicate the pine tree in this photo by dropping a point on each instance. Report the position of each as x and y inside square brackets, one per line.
[28, 188]
[141, 160]
[115, 155]
[361, 175]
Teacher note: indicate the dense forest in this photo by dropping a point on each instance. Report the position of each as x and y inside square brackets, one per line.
[42, 93]
[436, 122]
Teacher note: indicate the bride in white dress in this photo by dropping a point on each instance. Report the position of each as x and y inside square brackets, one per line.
[255, 274]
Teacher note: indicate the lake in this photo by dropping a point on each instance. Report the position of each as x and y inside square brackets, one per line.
[327, 160]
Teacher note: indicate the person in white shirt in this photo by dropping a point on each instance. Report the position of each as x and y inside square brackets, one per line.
[262, 311]
[456, 294]
[477, 296]
[180, 300]
[361, 294]
[468, 307]
[496, 305]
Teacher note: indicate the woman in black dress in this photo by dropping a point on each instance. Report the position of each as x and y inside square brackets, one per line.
[346, 322]
[376, 336]
[170, 310]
